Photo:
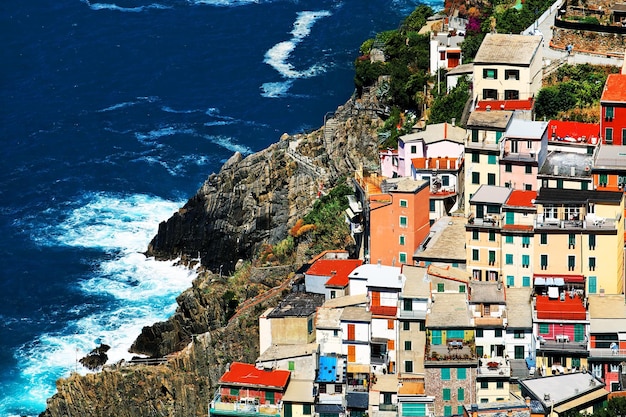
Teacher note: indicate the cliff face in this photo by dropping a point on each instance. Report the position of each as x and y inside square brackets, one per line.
[251, 201]
[254, 200]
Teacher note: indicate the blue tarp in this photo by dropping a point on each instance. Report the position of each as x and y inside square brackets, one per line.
[530, 362]
[327, 369]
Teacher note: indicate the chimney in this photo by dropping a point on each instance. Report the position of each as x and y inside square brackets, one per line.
[454, 121]
[573, 171]
[527, 401]
[556, 170]
[448, 163]
[437, 163]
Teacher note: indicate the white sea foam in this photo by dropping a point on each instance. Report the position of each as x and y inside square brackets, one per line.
[131, 291]
[113, 6]
[227, 143]
[224, 3]
[278, 55]
[277, 89]
[151, 136]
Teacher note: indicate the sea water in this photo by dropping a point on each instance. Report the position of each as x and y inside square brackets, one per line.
[112, 114]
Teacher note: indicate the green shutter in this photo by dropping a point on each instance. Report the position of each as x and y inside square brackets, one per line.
[288, 411]
[491, 159]
[592, 285]
[460, 394]
[525, 281]
[579, 332]
[510, 280]
[446, 394]
[447, 410]
[445, 376]
[510, 217]
[525, 260]
[269, 396]
[436, 337]
[543, 328]
[509, 259]
[455, 334]
[461, 373]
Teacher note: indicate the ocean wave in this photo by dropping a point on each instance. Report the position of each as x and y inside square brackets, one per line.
[135, 9]
[276, 89]
[226, 143]
[151, 136]
[224, 3]
[278, 55]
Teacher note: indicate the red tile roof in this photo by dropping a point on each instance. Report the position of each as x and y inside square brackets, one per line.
[520, 227]
[505, 105]
[384, 310]
[521, 198]
[560, 130]
[555, 309]
[614, 89]
[245, 374]
[337, 269]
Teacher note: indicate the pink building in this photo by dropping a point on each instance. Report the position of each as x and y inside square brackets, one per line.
[522, 152]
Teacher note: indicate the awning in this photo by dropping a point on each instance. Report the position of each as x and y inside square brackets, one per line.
[540, 281]
[550, 281]
[567, 279]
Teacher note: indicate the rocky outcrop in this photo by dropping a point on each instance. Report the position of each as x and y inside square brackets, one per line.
[251, 201]
[254, 200]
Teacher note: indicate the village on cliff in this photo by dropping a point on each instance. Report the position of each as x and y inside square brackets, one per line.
[490, 280]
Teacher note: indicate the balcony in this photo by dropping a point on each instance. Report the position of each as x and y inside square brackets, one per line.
[412, 314]
[489, 220]
[453, 351]
[561, 344]
[242, 406]
[494, 367]
[490, 321]
[589, 223]
[608, 353]
[518, 157]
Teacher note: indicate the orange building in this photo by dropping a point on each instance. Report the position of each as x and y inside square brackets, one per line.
[398, 220]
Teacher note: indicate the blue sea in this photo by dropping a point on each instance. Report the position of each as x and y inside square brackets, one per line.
[112, 114]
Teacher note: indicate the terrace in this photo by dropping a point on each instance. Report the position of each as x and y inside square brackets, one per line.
[454, 350]
[230, 405]
[494, 367]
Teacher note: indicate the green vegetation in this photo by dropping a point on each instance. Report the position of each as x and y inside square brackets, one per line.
[448, 106]
[572, 89]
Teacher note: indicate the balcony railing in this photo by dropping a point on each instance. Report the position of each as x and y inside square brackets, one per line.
[607, 353]
[494, 367]
[542, 222]
[242, 406]
[411, 314]
[388, 407]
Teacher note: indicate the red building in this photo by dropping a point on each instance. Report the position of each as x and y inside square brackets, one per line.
[613, 110]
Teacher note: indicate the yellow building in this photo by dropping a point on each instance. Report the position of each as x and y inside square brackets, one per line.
[517, 238]
[579, 236]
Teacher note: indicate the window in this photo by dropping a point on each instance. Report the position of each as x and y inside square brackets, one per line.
[446, 394]
[559, 183]
[475, 255]
[492, 257]
[407, 304]
[608, 135]
[404, 203]
[310, 325]
[509, 259]
[571, 241]
[408, 366]
[596, 370]
[510, 280]
[292, 365]
[413, 148]
[592, 242]
[306, 409]
[571, 262]
[508, 239]
[475, 177]
[491, 73]
[525, 281]
[498, 332]
[621, 179]
[528, 187]
[462, 288]
[491, 179]
[333, 293]
[525, 261]
[475, 235]
[609, 113]
[543, 328]
[490, 93]
[477, 274]
[338, 389]
[492, 236]
[445, 180]
[484, 384]
[499, 384]
[351, 332]
[440, 287]
[511, 94]
[406, 325]
[431, 205]
[459, 409]
[407, 345]
[544, 262]
[461, 373]
[592, 283]
[529, 169]
[603, 180]
[269, 397]
[579, 332]
[544, 238]
[402, 257]
[584, 185]
[592, 263]
[402, 240]
[445, 374]
[460, 394]
[525, 241]
[508, 168]
[518, 334]
[491, 159]
[511, 74]
[288, 410]
[476, 156]
[447, 410]
[479, 332]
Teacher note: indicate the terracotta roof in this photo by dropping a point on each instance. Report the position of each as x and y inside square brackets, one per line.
[614, 89]
[576, 132]
[555, 309]
[245, 374]
[384, 310]
[521, 198]
[499, 48]
[337, 269]
[519, 227]
[505, 105]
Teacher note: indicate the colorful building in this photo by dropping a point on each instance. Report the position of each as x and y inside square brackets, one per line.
[522, 151]
[517, 238]
[613, 110]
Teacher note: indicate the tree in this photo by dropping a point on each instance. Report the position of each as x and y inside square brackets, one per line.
[450, 106]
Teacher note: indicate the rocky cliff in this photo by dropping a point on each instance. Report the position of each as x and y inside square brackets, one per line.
[251, 201]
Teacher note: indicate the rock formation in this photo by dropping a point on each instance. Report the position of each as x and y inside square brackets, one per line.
[252, 201]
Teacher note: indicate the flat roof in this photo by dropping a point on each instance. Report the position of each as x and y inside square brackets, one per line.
[297, 304]
[573, 132]
[611, 158]
[276, 352]
[299, 391]
[526, 129]
[346, 301]
[560, 164]
[356, 314]
[444, 243]
[607, 313]
[486, 292]
[449, 310]
[245, 374]
[491, 194]
[416, 285]
[519, 310]
[564, 196]
[505, 105]
[366, 271]
[499, 48]
[522, 198]
[390, 282]
[614, 89]
[328, 318]
[331, 267]
[562, 388]
[403, 185]
[489, 120]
